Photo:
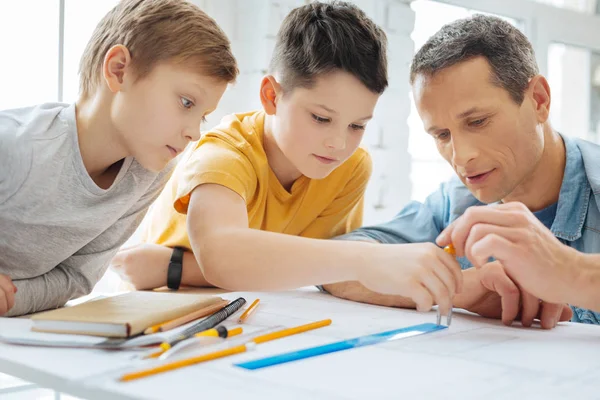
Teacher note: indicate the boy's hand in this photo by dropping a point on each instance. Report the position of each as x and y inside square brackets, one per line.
[421, 271]
[7, 294]
[144, 266]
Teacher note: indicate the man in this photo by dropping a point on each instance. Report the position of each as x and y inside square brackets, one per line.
[479, 93]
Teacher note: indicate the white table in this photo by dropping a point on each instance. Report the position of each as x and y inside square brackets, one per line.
[476, 358]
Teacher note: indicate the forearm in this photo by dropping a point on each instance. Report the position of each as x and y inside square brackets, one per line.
[48, 291]
[249, 259]
[586, 287]
[191, 273]
[355, 291]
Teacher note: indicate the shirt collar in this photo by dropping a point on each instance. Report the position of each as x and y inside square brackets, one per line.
[574, 196]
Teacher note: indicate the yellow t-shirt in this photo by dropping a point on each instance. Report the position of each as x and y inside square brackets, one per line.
[232, 155]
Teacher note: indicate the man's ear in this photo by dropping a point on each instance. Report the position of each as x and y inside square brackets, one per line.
[539, 90]
[270, 89]
[116, 68]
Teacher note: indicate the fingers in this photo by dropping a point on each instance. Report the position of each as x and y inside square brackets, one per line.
[422, 298]
[118, 259]
[448, 278]
[531, 305]
[452, 274]
[480, 231]
[566, 313]
[438, 291]
[445, 238]
[3, 302]
[491, 245]
[7, 294]
[550, 314]
[494, 278]
[503, 215]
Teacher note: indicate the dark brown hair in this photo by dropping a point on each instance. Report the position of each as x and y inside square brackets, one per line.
[319, 38]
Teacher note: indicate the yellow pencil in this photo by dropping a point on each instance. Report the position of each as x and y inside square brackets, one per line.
[248, 311]
[219, 331]
[224, 353]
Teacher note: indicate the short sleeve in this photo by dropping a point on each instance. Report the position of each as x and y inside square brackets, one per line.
[214, 161]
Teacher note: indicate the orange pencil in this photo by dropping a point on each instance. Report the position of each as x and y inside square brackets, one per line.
[174, 323]
[226, 352]
[450, 249]
[248, 311]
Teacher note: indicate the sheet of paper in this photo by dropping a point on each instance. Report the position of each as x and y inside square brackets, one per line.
[20, 328]
[476, 357]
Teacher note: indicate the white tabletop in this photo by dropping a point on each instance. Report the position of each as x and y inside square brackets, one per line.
[475, 358]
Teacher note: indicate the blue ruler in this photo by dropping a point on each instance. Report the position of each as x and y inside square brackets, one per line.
[342, 345]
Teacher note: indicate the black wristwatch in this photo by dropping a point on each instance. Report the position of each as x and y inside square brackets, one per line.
[175, 268]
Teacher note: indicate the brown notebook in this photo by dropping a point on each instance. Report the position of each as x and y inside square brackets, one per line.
[124, 315]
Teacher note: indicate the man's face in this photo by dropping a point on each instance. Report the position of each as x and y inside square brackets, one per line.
[493, 143]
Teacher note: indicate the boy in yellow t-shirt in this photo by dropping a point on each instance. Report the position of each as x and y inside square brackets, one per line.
[262, 187]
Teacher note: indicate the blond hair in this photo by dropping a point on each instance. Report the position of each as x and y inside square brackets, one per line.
[156, 31]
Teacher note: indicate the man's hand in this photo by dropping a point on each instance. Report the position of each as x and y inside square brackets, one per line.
[144, 266]
[7, 294]
[491, 293]
[529, 252]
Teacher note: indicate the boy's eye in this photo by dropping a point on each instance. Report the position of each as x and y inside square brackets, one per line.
[186, 103]
[320, 119]
[356, 127]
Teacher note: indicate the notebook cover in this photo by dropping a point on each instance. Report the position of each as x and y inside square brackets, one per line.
[135, 310]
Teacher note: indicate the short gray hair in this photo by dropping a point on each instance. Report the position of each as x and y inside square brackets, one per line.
[507, 50]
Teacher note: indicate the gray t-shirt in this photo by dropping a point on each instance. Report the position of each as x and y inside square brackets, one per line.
[58, 229]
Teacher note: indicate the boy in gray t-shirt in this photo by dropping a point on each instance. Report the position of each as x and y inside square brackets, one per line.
[76, 180]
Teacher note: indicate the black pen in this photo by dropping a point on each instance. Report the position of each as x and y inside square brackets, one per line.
[207, 323]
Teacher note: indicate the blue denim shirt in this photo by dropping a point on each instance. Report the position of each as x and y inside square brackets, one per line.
[576, 223]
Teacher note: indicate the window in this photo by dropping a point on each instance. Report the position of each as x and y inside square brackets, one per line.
[29, 43]
[584, 6]
[574, 78]
[81, 18]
